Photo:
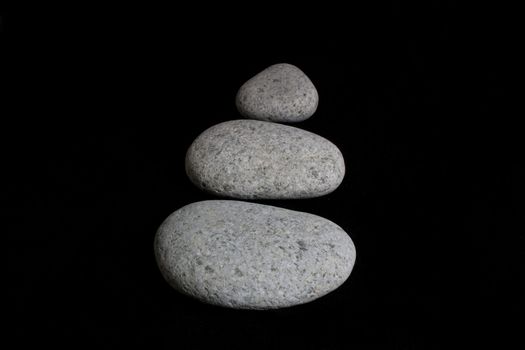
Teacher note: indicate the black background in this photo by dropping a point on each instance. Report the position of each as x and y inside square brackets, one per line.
[102, 109]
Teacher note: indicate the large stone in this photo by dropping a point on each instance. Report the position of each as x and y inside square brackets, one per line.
[252, 256]
[280, 93]
[251, 159]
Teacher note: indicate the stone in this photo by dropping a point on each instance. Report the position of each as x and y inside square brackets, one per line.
[251, 159]
[280, 93]
[251, 256]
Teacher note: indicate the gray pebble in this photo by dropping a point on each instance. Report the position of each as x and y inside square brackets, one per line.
[252, 256]
[280, 93]
[251, 159]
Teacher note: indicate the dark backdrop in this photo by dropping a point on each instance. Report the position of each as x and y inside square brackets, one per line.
[105, 107]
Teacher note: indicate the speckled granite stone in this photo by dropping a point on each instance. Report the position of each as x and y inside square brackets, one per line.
[252, 256]
[252, 159]
[280, 93]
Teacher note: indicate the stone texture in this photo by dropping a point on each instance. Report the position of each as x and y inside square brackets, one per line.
[252, 256]
[280, 93]
[251, 159]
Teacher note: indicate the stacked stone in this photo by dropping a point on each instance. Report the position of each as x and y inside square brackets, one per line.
[251, 256]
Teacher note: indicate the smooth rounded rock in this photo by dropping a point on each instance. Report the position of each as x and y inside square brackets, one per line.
[252, 256]
[251, 159]
[280, 93]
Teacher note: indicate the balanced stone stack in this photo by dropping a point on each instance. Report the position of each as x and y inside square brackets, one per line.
[251, 256]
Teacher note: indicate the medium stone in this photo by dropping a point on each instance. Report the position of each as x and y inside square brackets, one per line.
[252, 159]
[252, 256]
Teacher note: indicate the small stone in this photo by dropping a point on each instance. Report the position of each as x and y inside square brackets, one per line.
[251, 159]
[280, 93]
[251, 256]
